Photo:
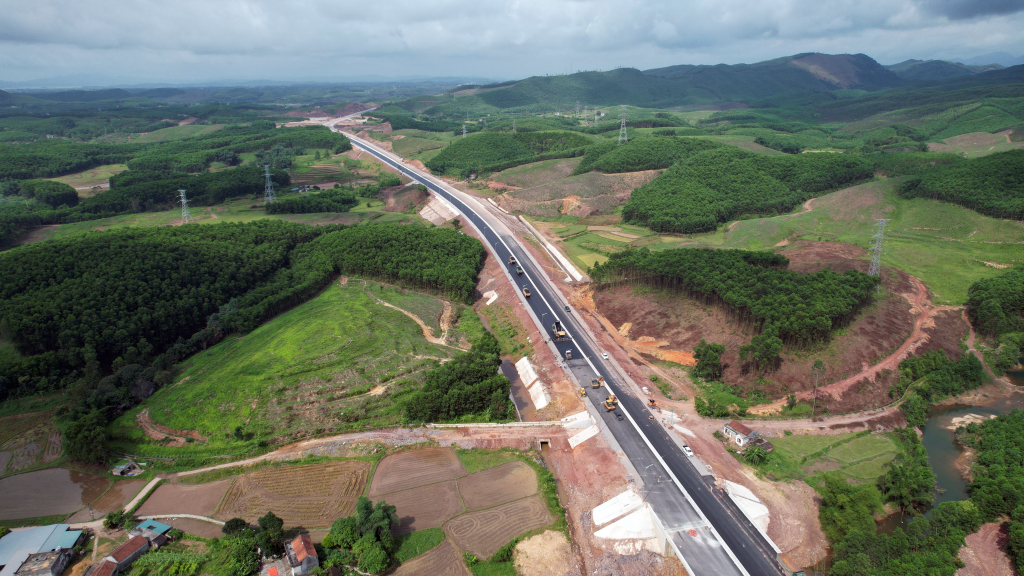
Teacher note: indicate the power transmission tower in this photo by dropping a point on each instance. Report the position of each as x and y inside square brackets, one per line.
[622, 126]
[463, 129]
[513, 125]
[268, 192]
[876, 250]
[577, 107]
[186, 216]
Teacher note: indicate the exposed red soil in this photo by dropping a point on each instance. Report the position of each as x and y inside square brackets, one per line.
[158, 432]
[424, 506]
[199, 499]
[497, 485]
[985, 552]
[415, 468]
[350, 108]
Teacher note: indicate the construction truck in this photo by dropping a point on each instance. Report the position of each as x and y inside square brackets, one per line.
[596, 383]
[511, 259]
[611, 403]
[568, 354]
[519, 270]
[526, 291]
[559, 333]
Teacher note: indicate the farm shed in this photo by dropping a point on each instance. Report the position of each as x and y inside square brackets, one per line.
[102, 568]
[155, 532]
[301, 555]
[16, 547]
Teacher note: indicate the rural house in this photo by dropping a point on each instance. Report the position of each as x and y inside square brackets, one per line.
[155, 532]
[102, 568]
[739, 433]
[45, 563]
[301, 555]
[129, 552]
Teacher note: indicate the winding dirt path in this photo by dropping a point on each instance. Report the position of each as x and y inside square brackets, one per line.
[428, 332]
[158, 432]
[924, 311]
[977, 353]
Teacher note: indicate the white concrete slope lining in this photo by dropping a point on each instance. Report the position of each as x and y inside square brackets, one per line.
[583, 436]
[580, 420]
[637, 526]
[526, 372]
[616, 508]
[751, 506]
[539, 395]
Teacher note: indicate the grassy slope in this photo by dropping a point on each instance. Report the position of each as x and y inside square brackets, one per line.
[859, 459]
[297, 373]
[944, 245]
[177, 133]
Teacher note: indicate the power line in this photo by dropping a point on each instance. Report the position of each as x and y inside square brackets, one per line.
[268, 192]
[622, 126]
[186, 216]
[876, 249]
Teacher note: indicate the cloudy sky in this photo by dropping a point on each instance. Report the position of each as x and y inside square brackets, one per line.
[204, 40]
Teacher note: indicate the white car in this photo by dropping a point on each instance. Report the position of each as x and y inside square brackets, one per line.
[687, 451]
[604, 355]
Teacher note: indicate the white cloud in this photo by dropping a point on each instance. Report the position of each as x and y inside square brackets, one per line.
[200, 39]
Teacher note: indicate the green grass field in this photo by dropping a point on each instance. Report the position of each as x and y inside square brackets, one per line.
[943, 244]
[177, 133]
[418, 542]
[426, 307]
[97, 176]
[309, 370]
[861, 459]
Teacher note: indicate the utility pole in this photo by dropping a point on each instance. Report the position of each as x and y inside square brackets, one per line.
[186, 216]
[513, 125]
[268, 192]
[622, 126]
[876, 250]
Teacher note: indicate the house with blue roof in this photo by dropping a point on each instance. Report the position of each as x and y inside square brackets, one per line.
[16, 547]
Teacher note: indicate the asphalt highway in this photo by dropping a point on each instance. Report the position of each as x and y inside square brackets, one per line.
[682, 498]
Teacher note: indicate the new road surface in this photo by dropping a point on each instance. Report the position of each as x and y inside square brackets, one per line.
[707, 530]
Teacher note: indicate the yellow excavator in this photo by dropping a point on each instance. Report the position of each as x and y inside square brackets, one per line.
[597, 382]
[611, 403]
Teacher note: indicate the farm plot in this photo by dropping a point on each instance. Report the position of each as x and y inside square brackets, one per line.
[424, 506]
[859, 459]
[199, 499]
[28, 440]
[497, 485]
[48, 493]
[483, 533]
[415, 468]
[303, 495]
[441, 561]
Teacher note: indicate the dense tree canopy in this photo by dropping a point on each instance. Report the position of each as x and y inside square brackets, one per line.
[996, 305]
[469, 384]
[333, 200]
[992, 185]
[492, 151]
[717, 185]
[76, 306]
[755, 286]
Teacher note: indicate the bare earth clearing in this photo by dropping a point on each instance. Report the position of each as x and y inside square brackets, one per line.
[444, 560]
[497, 485]
[415, 468]
[482, 533]
[199, 499]
[424, 506]
[985, 552]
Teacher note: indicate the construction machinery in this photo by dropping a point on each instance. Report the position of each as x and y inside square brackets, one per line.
[653, 405]
[559, 332]
[597, 382]
[568, 354]
[611, 403]
[519, 270]
[526, 291]
[511, 259]
[583, 391]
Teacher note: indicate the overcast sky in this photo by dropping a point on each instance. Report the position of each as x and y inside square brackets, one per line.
[203, 40]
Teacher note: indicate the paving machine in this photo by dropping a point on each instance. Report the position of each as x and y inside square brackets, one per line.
[559, 332]
[611, 403]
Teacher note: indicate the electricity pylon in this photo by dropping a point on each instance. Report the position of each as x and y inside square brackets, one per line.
[186, 216]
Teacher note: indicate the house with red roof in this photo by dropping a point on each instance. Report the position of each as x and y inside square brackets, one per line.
[301, 555]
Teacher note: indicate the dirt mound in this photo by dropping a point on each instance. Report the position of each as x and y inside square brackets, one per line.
[415, 468]
[307, 495]
[444, 560]
[158, 432]
[482, 533]
[199, 499]
[546, 554]
[498, 485]
[585, 194]
[985, 552]
[425, 506]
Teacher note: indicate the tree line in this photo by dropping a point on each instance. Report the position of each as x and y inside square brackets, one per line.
[755, 287]
[76, 309]
[996, 305]
[992, 185]
[492, 151]
[711, 187]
